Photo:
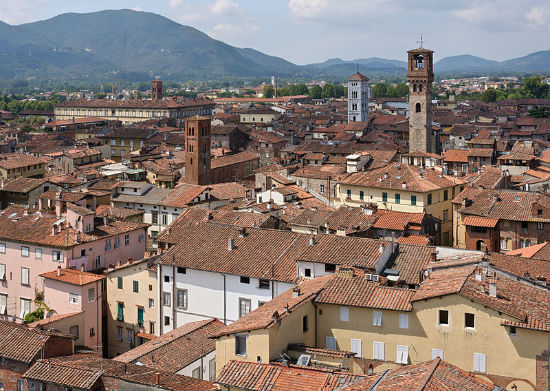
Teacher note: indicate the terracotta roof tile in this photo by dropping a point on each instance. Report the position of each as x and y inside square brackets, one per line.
[475, 221]
[72, 276]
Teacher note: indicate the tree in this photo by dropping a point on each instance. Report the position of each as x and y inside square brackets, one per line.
[37, 314]
[379, 90]
[316, 92]
[533, 87]
[268, 91]
[489, 95]
[540, 112]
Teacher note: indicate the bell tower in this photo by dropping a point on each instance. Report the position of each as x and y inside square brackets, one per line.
[197, 150]
[358, 98]
[420, 77]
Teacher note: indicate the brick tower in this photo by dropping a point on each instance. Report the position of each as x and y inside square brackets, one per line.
[156, 89]
[197, 150]
[420, 77]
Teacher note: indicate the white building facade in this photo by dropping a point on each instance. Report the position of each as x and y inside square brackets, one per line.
[358, 98]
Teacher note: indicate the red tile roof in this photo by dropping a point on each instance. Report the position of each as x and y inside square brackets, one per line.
[72, 276]
[475, 221]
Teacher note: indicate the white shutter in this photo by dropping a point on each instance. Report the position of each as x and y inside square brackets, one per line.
[403, 321]
[344, 314]
[3, 304]
[377, 318]
[437, 353]
[2, 271]
[331, 343]
[402, 354]
[356, 347]
[480, 362]
[378, 350]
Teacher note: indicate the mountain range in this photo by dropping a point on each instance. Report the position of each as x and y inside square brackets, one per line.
[138, 46]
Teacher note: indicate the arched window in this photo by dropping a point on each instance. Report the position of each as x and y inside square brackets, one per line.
[420, 87]
[480, 245]
[521, 243]
[370, 370]
[414, 87]
[418, 108]
[354, 118]
[527, 243]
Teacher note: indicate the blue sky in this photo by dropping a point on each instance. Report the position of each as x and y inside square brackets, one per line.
[305, 31]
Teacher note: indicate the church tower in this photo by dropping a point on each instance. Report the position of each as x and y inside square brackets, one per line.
[197, 150]
[358, 98]
[420, 77]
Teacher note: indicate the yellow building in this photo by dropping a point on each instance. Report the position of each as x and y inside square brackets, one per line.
[19, 165]
[131, 305]
[492, 326]
[403, 188]
[127, 139]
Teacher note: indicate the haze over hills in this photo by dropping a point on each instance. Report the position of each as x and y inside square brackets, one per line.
[137, 46]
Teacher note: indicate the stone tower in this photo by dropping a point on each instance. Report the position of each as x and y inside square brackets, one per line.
[197, 150]
[420, 76]
[156, 89]
[358, 98]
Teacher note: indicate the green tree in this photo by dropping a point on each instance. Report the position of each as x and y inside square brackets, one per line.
[533, 87]
[540, 112]
[327, 91]
[379, 90]
[37, 314]
[489, 95]
[316, 92]
[268, 91]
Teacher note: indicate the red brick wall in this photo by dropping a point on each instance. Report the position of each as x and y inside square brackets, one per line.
[515, 232]
[490, 239]
[543, 374]
[10, 372]
[58, 346]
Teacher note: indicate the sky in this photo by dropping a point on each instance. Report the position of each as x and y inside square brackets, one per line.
[307, 31]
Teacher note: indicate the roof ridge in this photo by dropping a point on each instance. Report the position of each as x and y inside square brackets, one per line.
[431, 371]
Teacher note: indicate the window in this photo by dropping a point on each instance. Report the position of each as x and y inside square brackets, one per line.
[307, 272]
[25, 305]
[503, 244]
[524, 224]
[196, 373]
[98, 261]
[140, 316]
[244, 307]
[264, 284]
[305, 326]
[355, 345]
[3, 304]
[378, 350]
[443, 317]
[446, 215]
[129, 336]
[418, 108]
[413, 200]
[540, 226]
[330, 343]
[135, 286]
[181, 298]
[165, 219]
[403, 321]
[120, 312]
[167, 279]
[212, 370]
[24, 251]
[397, 198]
[166, 299]
[512, 330]
[361, 195]
[330, 267]
[119, 333]
[119, 282]
[154, 217]
[469, 320]
[480, 362]
[108, 245]
[92, 332]
[445, 195]
[167, 321]
[322, 189]
[151, 327]
[402, 354]
[429, 199]
[245, 280]
[38, 253]
[437, 353]
[91, 295]
[117, 242]
[74, 331]
[20, 385]
[151, 303]
[377, 318]
[127, 240]
[348, 193]
[344, 314]
[2, 271]
[25, 276]
[384, 197]
[2, 248]
[181, 270]
[240, 345]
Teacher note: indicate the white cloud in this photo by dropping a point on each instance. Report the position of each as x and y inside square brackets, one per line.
[174, 3]
[538, 17]
[225, 8]
[227, 28]
[18, 11]
[137, 8]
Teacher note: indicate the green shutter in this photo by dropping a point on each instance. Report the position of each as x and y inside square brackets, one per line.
[119, 282]
[140, 317]
[385, 197]
[136, 286]
[413, 200]
[120, 315]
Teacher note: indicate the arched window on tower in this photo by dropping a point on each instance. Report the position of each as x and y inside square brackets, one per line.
[420, 87]
[354, 118]
[414, 87]
[418, 108]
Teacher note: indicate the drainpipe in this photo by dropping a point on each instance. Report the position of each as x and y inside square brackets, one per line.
[224, 301]
[159, 299]
[174, 297]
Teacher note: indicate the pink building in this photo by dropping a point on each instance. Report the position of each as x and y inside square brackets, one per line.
[70, 291]
[33, 243]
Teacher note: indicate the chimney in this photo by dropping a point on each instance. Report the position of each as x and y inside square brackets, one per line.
[312, 241]
[66, 235]
[493, 287]
[478, 273]
[287, 308]
[82, 267]
[157, 378]
[242, 232]
[59, 271]
[296, 291]
[209, 216]
[381, 248]
[77, 236]
[105, 220]
[230, 244]
[53, 230]
[434, 256]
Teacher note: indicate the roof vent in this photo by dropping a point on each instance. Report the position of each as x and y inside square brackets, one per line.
[230, 244]
[404, 185]
[492, 288]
